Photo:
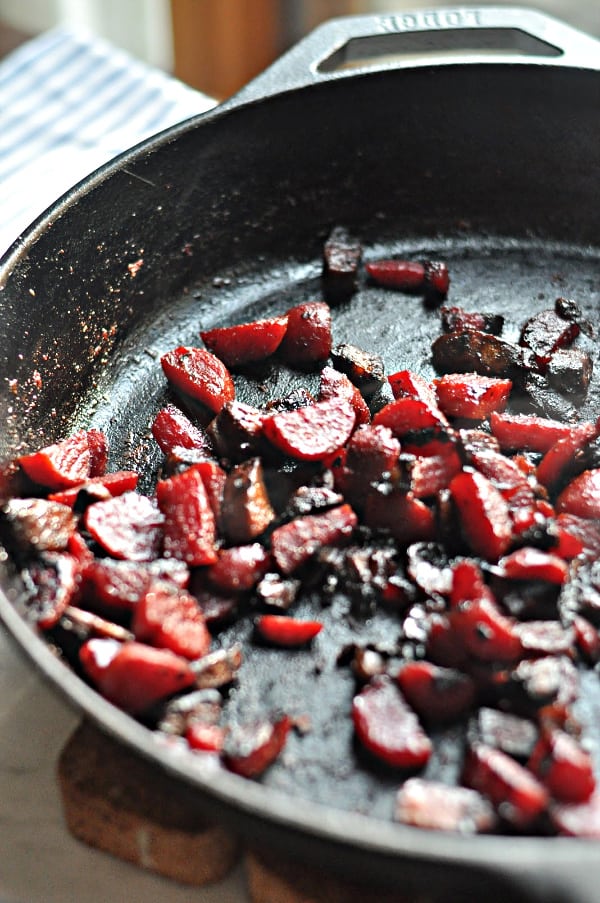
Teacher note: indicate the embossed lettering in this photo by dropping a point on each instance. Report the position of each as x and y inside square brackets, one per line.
[434, 20]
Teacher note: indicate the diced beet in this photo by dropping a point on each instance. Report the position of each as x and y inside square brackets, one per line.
[436, 694]
[403, 275]
[128, 526]
[189, 522]
[518, 796]
[250, 748]
[587, 639]
[437, 278]
[506, 476]
[307, 341]
[407, 518]
[586, 531]
[341, 258]
[440, 807]
[555, 462]
[484, 514]
[455, 319]
[32, 526]
[247, 343]
[406, 384]
[171, 619]
[509, 733]
[546, 332]
[293, 544]
[281, 630]
[428, 475]
[527, 431]
[52, 584]
[578, 819]
[237, 431]
[563, 766]
[441, 645]
[371, 454]
[119, 585]
[246, 511]
[68, 462]
[314, 432]
[468, 584]
[485, 632]
[570, 372]
[113, 483]
[406, 416]
[199, 374]
[239, 568]
[480, 352]
[205, 737]
[581, 496]
[472, 396]
[532, 564]
[214, 478]
[172, 429]
[387, 727]
[337, 385]
[134, 676]
[364, 369]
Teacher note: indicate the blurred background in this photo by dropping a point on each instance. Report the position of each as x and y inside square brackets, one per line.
[219, 45]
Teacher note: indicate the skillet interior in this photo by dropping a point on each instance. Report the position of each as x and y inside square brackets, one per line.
[229, 218]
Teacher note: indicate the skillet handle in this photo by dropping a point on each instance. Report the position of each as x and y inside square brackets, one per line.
[341, 47]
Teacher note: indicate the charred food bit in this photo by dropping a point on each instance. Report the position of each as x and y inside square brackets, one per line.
[364, 369]
[455, 319]
[479, 352]
[246, 511]
[341, 259]
[547, 332]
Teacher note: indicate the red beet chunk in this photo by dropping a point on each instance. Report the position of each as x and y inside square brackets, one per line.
[563, 766]
[587, 532]
[578, 819]
[129, 526]
[134, 676]
[214, 478]
[121, 584]
[436, 694]
[407, 518]
[517, 795]
[246, 511]
[440, 807]
[172, 429]
[455, 319]
[472, 396]
[546, 332]
[484, 514]
[33, 526]
[406, 384]
[429, 475]
[402, 275]
[240, 568]
[406, 416]
[69, 462]
[237, 431]
[486, 633]
[557, 460]
[587, 639]
[189, 522]
[294, 543]
[337, 385]
[281, 630]
[307, 341]
[533, 564]
[247, 343]
[527, 431]
[171, 619]
[113, 483]
[582, 496]
[468, 584]
[314, 432]
[387, 727]
[506, 475]
[205, 737]
[371, 454]
[54, 581]
[199, 374]
[251, 748]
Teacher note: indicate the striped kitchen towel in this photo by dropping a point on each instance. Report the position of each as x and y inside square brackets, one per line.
[70, 102]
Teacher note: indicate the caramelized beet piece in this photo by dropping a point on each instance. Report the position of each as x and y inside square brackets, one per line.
[237, 346]
[51, 583]
[240, 568]
[406, 384]
[199, 374]
[31, 526]
[428, 475]
[246, 511]
[555, 462]
[295, 543]
[69, 462]
[527, 431]
[570, 371]
[341, 259]
[371, 454]
[455, 319]
[532, 564]
[484, 514]
[509, 733]
[517, 795]
[250, 748]
[314, 432]
[189, 522]
[582, 496]
[436, 694]
[237, 431]
[563, 766]
[97, 488]
[547, 332]
[134, 676]
[507, 477]
[471, 396]
[171, 429]
[119, 585]
[485, 632]
[439, 807]
[407, 518]
[387, 727]
[307, 341]
[408, 416]
[171, 619]
[281, 630]
[205, 737]
[129, 526]
[337, 385]
[364, 369]
[403, 275]
[480, 352]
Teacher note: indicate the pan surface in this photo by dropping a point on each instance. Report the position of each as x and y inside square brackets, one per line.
[223, 221]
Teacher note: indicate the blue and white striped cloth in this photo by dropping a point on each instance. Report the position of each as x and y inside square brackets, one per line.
[70, 102]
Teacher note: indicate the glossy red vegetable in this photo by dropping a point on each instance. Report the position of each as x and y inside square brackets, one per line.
[533, 564]
[294, 543]
[483, 513]
[114, 483]
[516, 793]
[436, 694]
[172, 429]
[408, 415]
[189, 523]
[582, 496]
[388, 728]
[563, 766]
[556, 460]
[312, 432]
[247, 343]
[471, 396]
[129, 526]
[527, 431]
[171, 619]
[199, 374]
[68, 462]
[239, 568]
[307, 341]
[281, 630]
[250, 749]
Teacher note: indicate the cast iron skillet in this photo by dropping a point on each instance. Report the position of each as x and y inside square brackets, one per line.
[482, 149]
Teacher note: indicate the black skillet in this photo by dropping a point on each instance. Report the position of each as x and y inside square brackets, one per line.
[480, 147]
